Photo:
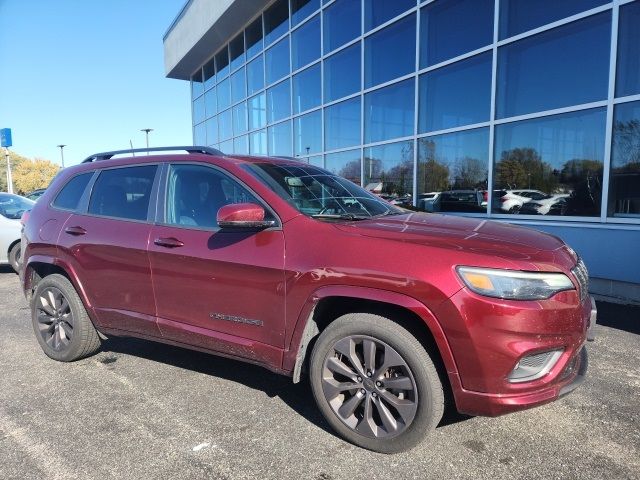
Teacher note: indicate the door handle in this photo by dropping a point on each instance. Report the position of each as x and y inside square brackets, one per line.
[168, 242]
[75, 230]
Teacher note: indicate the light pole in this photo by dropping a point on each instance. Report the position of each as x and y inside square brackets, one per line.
[146, 131]
[61, 147]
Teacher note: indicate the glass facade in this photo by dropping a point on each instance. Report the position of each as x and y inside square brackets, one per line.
[441, 105]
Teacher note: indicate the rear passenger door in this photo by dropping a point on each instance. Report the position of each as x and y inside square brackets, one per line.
[105, 242]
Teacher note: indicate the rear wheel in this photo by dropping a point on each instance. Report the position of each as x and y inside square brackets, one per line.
[14, 256]
[375, 383]
[61, 324]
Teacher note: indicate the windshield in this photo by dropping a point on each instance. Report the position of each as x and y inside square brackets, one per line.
[318, 193]
[13, 206]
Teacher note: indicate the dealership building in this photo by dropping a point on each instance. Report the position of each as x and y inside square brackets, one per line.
[515, 110]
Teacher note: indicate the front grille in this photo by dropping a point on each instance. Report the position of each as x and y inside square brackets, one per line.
[582, 276]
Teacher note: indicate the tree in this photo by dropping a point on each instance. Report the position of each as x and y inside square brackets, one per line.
[524, 168]
[29, 175]
[15, 161]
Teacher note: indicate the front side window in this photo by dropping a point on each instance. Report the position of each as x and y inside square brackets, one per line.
[317, 193]
[70, 195]
[123, 192]
[13, 206]
[195, 193]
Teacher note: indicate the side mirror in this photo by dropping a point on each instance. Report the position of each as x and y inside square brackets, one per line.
[243, 215]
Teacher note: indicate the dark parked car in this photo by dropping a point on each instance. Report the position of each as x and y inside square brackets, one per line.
[288, 266]
[36, 194]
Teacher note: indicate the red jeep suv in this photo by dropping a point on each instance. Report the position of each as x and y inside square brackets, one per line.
[388, 312]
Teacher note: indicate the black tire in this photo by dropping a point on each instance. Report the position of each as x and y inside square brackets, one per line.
[14, 256]
[426, 395]
[65, 337]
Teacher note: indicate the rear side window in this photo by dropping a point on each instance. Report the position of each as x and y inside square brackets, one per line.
[69, 197]
[123, 192]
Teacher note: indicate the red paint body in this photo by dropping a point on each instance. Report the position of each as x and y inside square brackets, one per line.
[133, 286]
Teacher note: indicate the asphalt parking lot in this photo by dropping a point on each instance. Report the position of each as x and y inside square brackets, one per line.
[142, 410]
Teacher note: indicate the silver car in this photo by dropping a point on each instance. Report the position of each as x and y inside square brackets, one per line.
[11, 209]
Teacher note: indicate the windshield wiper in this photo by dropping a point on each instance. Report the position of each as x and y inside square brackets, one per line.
[340, 216]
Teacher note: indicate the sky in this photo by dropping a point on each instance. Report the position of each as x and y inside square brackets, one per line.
[88, 74]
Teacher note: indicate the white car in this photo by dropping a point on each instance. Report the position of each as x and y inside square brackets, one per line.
[11, 209]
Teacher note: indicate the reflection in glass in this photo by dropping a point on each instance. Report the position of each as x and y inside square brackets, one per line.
[305, 43]
[550, 165]
[453, 171]
[388, 112]
[517, 16]
[277, 61]
[377, 12]
[307, 89]
[255, 75]
[346, 164]
[238, 86]
[280, 139]
[226, 147]
[258, 142]
[210, 102]
[341, 23]
[225, 125]
[241, 145]
[565, 66]
[342, 124]
[222, 63]
[342, 73]
[391, 52]
[257, 111]
[455, 95]
[449, 28]
[211, 126]
[197, 87]
[628, 63]
[388, 171]
[200, 134]
[315, 160]
[301, 9]
[307, 133]
[240, 118]
[223, 91]
[198, 110]
[236, 51]
[278, 102]
[624, 187]
[253, 37]
[209, 71]
[276, 21]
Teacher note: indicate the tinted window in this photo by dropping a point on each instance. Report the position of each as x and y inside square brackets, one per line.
[222, 63]
[391, 52]
[305, 43]
[224, 94]
[388, 169]
[455, 95]
[257, 111]
[345, 164]
[211, 126]
[377, 12]
[342, 73]
[123, 192]
[456, 163]
[307, 131]
[628, 63]
[624, 189]
[279, 137]
[209, 70]
[565, 66]
[277, 61]
[253, 36]
[225, 125]
[255, 75]
[240, 118]
[341, 23]
[238, 86]
[241, 145]
[301, 9]
[560, 156]
[276, 21]
[278, 102]
[70, 195]
[449, 28]
[236, 50]
[307, 89]
[195, 193]
[210, 102]
[388, 112]
[197, 86]
[198, 110]
[342, 124]
[258, 143]
[200, 134]
[517, 16]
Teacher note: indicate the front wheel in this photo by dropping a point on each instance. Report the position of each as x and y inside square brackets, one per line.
[375, 383]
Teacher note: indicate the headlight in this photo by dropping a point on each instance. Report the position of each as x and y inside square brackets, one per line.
[513, 284]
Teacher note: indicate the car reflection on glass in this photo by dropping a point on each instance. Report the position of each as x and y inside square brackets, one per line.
[452, 201]
[552, 205]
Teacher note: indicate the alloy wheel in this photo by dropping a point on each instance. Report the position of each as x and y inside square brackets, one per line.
[55, 318]
[369, 386]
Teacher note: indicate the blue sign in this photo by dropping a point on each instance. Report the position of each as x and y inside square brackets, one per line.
[5, 137]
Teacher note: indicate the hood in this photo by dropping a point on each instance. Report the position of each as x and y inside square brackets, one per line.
[471, 235]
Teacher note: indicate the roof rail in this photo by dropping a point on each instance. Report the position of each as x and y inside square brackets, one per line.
[189, 149]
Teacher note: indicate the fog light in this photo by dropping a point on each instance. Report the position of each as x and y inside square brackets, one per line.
[534, 366]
